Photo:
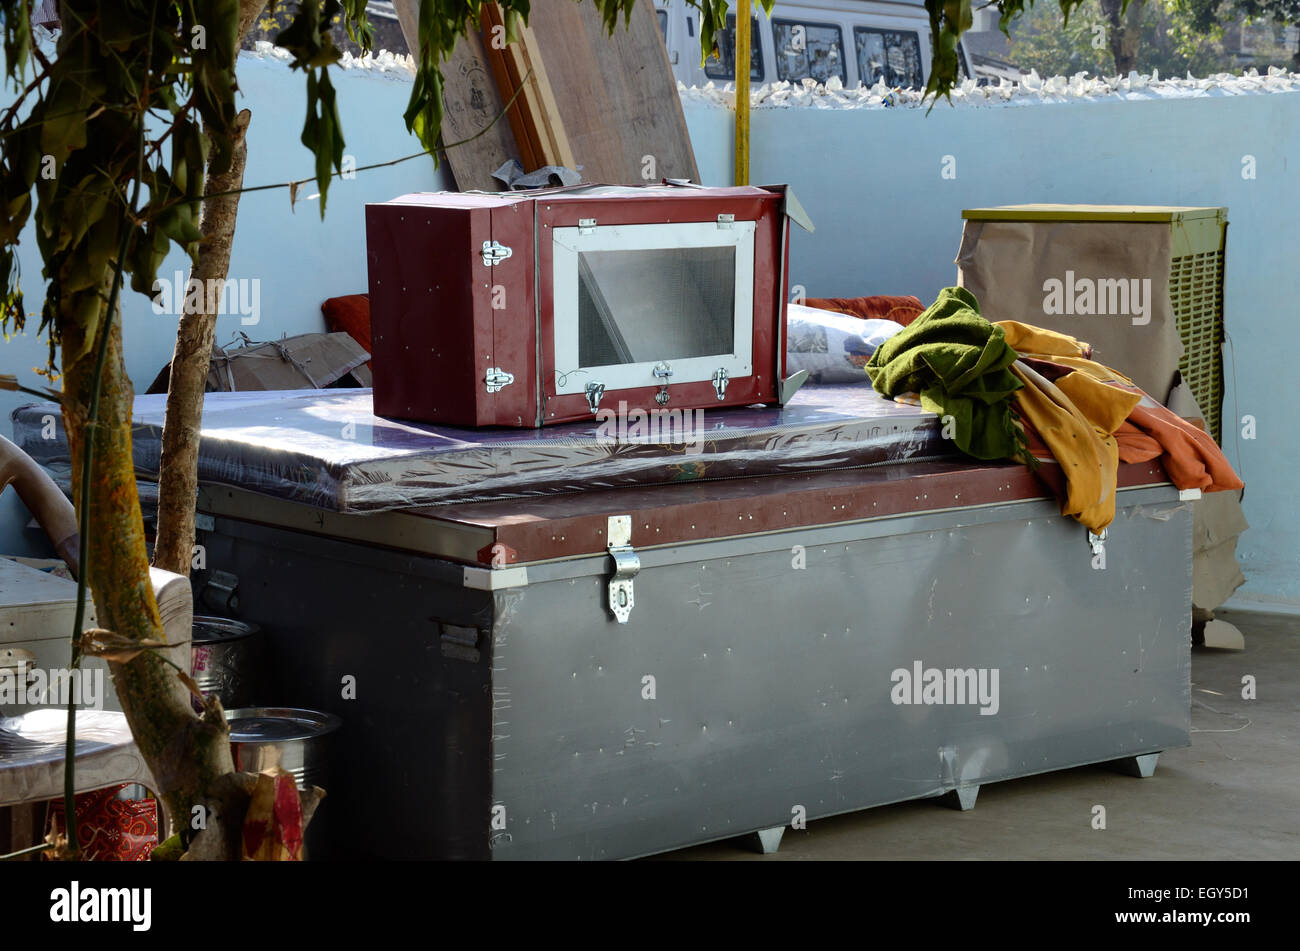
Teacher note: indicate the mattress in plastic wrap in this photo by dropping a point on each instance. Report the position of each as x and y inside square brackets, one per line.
[327, 449]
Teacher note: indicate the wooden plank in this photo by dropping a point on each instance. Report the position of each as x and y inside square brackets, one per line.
[616, 95]
[521, 76]
[470, 104]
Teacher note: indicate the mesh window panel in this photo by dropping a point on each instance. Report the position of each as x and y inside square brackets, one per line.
[1196, 291]
[656, 304]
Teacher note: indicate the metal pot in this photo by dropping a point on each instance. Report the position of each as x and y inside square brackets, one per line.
[227, 660]
[293, 739]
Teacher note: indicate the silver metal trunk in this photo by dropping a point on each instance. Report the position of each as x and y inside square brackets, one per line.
[504, 713]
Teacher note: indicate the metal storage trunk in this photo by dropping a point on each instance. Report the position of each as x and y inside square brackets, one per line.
[776, 657]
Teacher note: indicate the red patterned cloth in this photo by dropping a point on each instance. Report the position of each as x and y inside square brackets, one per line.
[901, 310]
[110, 829]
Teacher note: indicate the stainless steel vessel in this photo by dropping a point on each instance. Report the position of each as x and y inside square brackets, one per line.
[289, 737]
[227, 660]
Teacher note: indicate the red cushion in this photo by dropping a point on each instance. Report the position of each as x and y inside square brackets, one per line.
[901, 310]
[350, 314]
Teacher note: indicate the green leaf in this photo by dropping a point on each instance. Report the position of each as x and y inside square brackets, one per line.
[322, 130]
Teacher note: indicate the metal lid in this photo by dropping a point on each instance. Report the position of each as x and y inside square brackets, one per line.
[213, 630]
[275, 724]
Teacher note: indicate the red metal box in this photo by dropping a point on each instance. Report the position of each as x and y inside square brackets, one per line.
[530, 308]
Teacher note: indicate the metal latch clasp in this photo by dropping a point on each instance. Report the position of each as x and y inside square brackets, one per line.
[594, 390]
[1097, 542]
[497, 379]
[720, 379]
[627, 563]
[494, 252]
[662, 371]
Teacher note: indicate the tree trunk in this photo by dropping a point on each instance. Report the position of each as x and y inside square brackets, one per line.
[178, 469]
[185, 754]
[1123, 33]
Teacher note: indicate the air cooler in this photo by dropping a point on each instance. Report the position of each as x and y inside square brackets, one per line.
[1143, 284]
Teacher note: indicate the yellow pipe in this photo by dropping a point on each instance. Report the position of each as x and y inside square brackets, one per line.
[742, 91]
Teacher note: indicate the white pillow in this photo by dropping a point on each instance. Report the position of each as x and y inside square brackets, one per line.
[832, 347]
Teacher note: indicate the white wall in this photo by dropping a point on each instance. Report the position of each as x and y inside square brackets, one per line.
[888, 223]
[299, 259]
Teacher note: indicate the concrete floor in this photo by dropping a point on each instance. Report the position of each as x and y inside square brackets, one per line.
[1233, 794]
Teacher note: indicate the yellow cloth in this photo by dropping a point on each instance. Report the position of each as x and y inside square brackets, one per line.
[1026, 338]
[1076, 418]
[1106, 406]
[1040, 343]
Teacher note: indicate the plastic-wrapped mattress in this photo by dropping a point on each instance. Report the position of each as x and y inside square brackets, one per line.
[328, 449]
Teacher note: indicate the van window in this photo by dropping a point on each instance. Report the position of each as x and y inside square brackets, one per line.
[891, 55]
[663, 23]
[805, 50]
[725, 68]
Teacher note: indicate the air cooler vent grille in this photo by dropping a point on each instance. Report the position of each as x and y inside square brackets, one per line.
[1196, 292]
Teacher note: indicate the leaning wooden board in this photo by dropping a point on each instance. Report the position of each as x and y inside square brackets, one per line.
[616, 94]
[470, 104]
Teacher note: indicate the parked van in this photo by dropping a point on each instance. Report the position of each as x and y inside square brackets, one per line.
[859, 41]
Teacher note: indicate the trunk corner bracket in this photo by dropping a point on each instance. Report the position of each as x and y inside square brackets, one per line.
[626, 566]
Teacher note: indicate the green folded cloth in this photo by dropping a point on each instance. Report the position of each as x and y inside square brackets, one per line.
[957, 362]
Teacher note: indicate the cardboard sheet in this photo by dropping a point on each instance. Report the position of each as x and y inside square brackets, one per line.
[1103, 282]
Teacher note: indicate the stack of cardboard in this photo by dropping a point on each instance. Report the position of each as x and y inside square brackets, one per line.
[305, 361]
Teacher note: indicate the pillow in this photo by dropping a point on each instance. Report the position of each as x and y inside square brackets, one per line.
[833, 348]
[350, 314]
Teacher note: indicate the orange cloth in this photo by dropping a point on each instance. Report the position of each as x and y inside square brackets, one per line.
[901, 310]
[1135, 445]
[1191, 456]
